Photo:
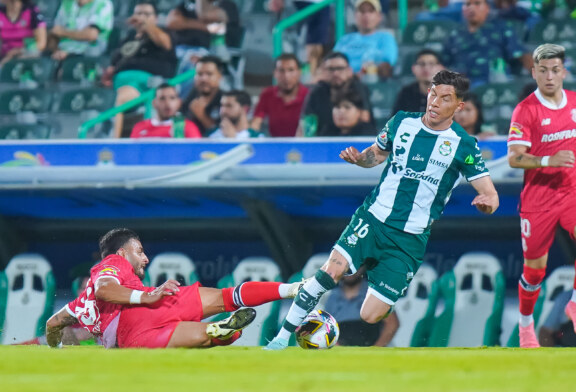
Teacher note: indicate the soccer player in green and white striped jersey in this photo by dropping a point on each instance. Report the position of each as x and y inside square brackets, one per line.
[426, 155]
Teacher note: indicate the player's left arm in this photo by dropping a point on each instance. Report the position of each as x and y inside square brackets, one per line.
[520, 158]
[55, 326]
[487, 200]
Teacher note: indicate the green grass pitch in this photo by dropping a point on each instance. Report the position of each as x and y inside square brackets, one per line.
[229, 369]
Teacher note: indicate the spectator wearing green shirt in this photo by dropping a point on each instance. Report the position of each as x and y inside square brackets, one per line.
[81, 27]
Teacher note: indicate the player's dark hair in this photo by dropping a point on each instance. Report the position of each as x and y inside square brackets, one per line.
[151, 3]
[458, 81]
[114, 240]
[336, 55]
[164, 86]
[214, 60]
[287, 57]
[241, 96]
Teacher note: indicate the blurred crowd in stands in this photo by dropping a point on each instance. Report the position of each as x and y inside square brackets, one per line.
[319, 86]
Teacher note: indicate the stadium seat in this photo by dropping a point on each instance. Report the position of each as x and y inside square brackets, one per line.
[81, 70]
[29, 298]
[75, 106]
[24, 105]
[171, 265]
[382, 97]
[473, 294]
[264, 327]
[36, 70]
[561, 279]
[430, 33]
[25, 131]
[499, 100]
[416, 309]
[561, 32]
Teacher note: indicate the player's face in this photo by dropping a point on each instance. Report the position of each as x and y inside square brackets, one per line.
[287, 75]
[133, 251]
[207, 78]
[549, 75]
[346, 115]
[167, 103]
[442, 103]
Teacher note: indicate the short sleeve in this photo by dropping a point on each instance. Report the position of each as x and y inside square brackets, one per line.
[37, 19]
[385, 137]
[261, 110]
[472, 165]
[520, 132]
[115, 267]
[103, 18]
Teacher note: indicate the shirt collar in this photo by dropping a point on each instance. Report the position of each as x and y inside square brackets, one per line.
[551, 105]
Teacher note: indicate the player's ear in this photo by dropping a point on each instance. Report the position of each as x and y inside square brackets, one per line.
[460, 106]
[121, 252]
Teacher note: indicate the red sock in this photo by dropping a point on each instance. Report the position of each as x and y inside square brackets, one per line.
[250, 294]
[529, 288]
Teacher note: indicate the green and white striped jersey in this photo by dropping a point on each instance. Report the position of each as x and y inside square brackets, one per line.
[423, 168]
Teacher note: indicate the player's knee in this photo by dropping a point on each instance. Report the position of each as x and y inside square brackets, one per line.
[371, 317]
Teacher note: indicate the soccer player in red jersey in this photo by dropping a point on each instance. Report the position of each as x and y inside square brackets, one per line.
[122, 312]
[542, 141]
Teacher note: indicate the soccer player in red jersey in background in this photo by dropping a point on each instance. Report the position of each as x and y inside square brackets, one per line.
[122, 312]
[542, 141]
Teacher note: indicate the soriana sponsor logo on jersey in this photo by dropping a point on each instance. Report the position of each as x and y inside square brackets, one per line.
[515, 130]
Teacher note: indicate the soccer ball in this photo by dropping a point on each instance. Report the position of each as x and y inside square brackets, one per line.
[319, 330]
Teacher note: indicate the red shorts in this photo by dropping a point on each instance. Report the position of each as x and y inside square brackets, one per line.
[152, 326]
[538, 228]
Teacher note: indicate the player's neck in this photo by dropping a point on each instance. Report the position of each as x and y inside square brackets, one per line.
[555, 98]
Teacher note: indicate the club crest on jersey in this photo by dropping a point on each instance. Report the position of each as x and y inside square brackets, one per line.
[445, 148]
[352, 239]
[515, 130]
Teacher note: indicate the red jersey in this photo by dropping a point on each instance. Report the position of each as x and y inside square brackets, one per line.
[545, 130]
[155, 128]
[95, 315]
[283, 117]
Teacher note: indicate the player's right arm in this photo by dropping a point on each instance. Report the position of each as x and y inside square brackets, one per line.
[520, 158]
[109, 290]
[370, 157]
[55, 326]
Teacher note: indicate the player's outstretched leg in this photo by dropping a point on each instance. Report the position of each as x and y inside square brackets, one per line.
[528, 291]
[304, 303]
[226, 329]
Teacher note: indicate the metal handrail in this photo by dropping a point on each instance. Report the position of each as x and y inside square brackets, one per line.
[144, 97]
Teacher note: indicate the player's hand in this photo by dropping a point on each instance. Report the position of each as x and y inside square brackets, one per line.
[486, 204]
[563, 158]
[170, 287]
[350, 155]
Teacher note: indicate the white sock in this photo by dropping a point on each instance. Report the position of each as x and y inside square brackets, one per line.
[526, 320]
[284, 334]
[573, 299]
[283, 289]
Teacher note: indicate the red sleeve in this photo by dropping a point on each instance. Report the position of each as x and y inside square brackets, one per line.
[115, 267]
[191, 130]
[261, 110]
[520, 126]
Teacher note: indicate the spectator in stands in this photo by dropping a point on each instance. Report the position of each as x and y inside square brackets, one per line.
[345, 303]
[81, 27]
[347, 116]
[448, 10]
[146, 54]
[282, 103]
[558, 329]
[234, 108]
[372, 53]
[317, 32]
[22, 30]
[202, 105]
[168, 122]
[194, 21]
[412, 98]
[511, 11]
[478, 44]
[471, 118]
[316, 118]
